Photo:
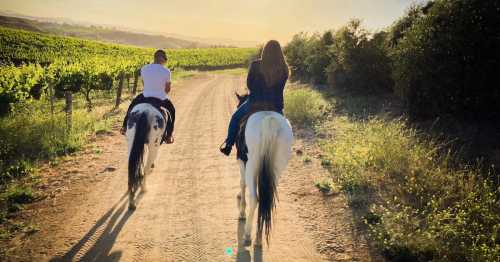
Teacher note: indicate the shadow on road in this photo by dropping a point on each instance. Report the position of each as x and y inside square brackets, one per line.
[103, 236]
[243, 254]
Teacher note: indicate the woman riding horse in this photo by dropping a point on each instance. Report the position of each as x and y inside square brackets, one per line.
[266, 82]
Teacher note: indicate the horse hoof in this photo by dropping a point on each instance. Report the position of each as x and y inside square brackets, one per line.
[247, 242]
[238, 196]
[131, 207]
[152, 165]
[242, 218]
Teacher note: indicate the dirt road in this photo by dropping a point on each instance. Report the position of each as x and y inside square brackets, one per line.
[189, 212]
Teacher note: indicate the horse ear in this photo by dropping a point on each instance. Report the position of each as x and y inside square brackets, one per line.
[238, 96]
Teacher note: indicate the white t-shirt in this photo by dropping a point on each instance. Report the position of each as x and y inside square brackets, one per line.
[155, 77]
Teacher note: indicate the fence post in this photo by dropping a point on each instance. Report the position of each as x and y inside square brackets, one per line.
[69, 109]
[119, 91]
[136, 80]
[128, 83]
[52, 98]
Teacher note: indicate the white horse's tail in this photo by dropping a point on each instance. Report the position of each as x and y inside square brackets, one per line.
[266, 179]
[135, 160]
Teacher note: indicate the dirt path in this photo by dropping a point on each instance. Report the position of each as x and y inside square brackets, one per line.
[189, 212]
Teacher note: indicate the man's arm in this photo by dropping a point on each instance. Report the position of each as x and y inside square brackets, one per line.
[168, 86]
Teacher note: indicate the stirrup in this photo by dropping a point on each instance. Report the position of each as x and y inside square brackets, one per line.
[226, 150]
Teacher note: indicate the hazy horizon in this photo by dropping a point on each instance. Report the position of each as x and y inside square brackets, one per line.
[238, 20]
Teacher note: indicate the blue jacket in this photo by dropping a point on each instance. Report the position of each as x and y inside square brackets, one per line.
[260, 92]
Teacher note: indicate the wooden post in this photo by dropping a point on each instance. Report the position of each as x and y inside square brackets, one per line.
[119, 91]
[136, 80]
[128, 83]
[69, 109]
[52, 98]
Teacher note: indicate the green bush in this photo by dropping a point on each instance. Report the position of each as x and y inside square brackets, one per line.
[446, 58]
[304, 106]
[430, 208]
[296, 53]
[359, 60]
[349, 58]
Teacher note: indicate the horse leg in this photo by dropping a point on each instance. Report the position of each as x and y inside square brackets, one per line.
[250, 176]
[152, 152]
[131, 200]
[241, 196]
[258, 239]
[155, 152]
[130, 133]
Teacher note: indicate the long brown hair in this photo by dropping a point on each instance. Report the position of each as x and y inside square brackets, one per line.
[273, 65]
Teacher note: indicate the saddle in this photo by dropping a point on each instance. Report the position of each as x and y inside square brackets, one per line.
[241, 145]
[156, 103]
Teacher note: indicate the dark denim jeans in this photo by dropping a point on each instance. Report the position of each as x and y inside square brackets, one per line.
[232, 132]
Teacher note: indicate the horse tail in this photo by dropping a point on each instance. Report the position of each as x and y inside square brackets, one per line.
[135, 160]
[266, 179]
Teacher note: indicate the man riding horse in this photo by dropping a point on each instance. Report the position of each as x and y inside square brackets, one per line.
[157, 84]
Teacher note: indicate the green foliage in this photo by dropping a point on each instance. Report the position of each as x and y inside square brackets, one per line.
[16, 169]
[347, 58]
[304, 106]
[296, 52]
[13, 198]
[20, 46]
[440, 57]
[16, 84]
[327, 186]
[308, 57]
[427, 207]
[360, 60]
[446, 59]
[16, 194]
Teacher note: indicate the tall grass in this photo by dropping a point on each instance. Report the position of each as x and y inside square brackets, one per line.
[304, 106]
[33, 133]
[422, 203]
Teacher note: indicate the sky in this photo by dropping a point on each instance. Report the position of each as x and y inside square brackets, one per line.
[243, 20]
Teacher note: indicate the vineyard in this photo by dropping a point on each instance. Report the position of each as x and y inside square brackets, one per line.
[51, 88]
[35, 63]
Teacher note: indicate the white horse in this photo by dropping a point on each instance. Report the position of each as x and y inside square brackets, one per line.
[145, 128]
[269, 139]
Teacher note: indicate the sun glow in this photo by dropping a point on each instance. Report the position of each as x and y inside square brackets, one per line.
[254, 21]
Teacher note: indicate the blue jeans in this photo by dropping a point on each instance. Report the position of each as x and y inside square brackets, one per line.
[232, 132]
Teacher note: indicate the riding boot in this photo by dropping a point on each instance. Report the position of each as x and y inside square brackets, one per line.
[226, 150]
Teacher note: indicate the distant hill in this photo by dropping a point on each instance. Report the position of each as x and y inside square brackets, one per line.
[99, 33]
